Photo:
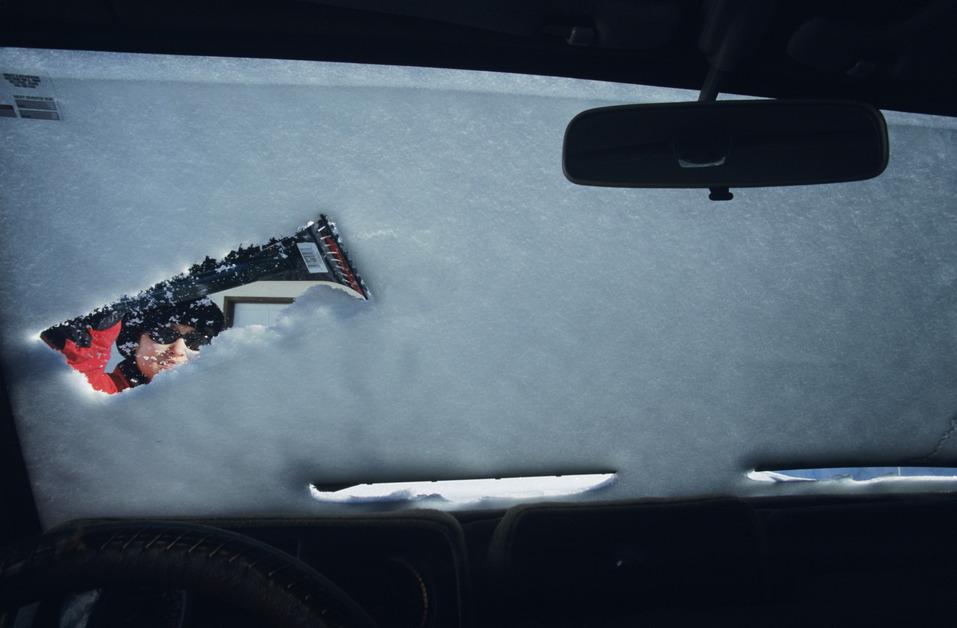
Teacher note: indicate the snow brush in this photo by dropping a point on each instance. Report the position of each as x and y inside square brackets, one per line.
[314, 253]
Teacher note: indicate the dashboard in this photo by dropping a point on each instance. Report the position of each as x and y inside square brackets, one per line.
[836, 560]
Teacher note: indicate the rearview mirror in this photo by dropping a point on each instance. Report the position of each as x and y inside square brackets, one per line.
[727, 144]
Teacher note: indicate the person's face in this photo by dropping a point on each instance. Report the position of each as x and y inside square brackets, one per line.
[153, 357]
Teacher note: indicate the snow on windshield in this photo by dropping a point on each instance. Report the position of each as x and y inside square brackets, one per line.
[520, 325]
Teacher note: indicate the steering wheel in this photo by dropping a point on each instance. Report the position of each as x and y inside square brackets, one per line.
[230, 568]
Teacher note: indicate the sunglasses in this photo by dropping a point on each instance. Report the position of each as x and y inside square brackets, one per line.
[167, 336]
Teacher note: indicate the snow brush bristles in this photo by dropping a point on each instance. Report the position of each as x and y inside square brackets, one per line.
[337, 260]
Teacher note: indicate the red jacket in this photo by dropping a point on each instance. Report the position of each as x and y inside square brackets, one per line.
[92, 360]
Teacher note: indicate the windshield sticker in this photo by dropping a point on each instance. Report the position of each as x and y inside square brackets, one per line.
[129, 342]
[28, 96]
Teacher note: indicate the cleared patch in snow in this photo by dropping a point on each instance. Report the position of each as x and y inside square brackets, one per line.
[857, 474]
[465, 492]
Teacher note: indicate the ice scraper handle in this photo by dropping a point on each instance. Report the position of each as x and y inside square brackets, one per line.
[77, 329]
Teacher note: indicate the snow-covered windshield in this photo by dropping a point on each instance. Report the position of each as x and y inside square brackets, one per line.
[519, 325]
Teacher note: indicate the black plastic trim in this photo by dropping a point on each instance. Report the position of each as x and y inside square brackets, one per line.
[18, 510]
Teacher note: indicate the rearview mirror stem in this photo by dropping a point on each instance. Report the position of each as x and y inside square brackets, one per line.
[709, 93]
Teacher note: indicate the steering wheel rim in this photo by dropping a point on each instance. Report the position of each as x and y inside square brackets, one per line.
[231, 568]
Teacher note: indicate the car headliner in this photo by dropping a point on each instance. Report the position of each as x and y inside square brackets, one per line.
[891, 54]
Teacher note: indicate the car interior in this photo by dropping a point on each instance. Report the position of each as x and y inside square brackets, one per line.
[878, 556]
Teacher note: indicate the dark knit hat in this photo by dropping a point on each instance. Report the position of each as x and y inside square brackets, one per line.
[202, 314]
